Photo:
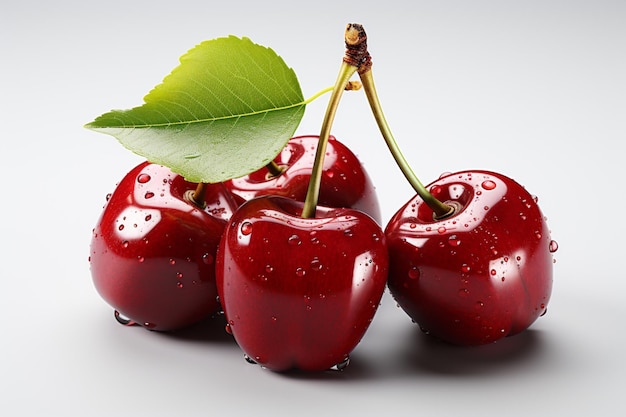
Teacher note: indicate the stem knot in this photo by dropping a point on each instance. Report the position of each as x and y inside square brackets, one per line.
[357, 54]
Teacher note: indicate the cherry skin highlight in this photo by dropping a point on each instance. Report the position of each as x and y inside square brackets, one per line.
[299, 294]
[345, 183]
[153, 252]
[479, 275]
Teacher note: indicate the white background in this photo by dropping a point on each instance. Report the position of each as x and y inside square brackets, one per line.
[533, 89]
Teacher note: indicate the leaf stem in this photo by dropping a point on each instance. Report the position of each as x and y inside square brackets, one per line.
[310, 203]
[318, 94]
[349, 86]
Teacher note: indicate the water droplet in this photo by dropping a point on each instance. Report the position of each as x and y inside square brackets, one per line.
[412, 225]
[465, 268]
[414, 272]
[488, 185]
[140, 258]
[123, 320]
[342, 365]
[179, 284]
[329, 173]
[121, 227]
[228, 329]
[208, 259]
[435, 189]
[108, 196]
[454, 241]
[294, 240]
[125, 244]
[249, 359]
[143, 178]
[149, 195]
[538, 235]
[149, 325]
[493, 272]
[179, 275]
[172, 261]
[300, 272]
[463, 292]
[441, 230]
[316, 265]
[554, 246]
[348, 233]
[246, 228]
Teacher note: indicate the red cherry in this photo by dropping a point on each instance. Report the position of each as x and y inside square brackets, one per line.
[345, 183]
[300, 293]
[479, 275]
[153, 252]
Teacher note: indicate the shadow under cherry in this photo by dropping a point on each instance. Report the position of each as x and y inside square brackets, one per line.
[424, 354]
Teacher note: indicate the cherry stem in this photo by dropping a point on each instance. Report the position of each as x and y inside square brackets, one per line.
[440, 209]
[274, 169]
[364, 66]
[312, 196]
[197, 196]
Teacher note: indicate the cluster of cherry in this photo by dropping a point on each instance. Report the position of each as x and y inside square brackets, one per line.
[468, 258]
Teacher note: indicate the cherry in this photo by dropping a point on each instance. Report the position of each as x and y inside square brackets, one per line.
[478, 275]
[299, 293]
[470, 254]
[153, 248]
[300, 283]
[345, 183]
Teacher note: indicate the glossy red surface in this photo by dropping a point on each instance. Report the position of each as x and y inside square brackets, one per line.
[300, 293]
[153, 253]
[480, 275]
[345, 183]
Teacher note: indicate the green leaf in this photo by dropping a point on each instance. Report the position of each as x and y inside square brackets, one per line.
[227, 110]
